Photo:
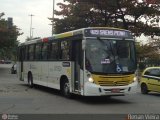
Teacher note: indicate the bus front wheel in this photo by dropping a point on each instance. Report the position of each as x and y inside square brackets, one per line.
[66, 89]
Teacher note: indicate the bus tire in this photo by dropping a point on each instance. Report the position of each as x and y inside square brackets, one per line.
[30, 80]
[66, 89]
[144, 89]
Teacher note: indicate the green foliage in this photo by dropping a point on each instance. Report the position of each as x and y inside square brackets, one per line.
[142, 66]
[139, 17]
[8, 39]
[148, 54]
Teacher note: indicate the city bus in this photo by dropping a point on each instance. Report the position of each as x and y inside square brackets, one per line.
[94, 61]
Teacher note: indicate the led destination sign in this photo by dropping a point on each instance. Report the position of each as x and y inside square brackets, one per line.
[107, 33]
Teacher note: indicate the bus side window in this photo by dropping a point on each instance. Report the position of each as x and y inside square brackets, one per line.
[53, 51]
[65, 50]
[21, 53]
[44, 51]
[26, 53]
[38, 52]
[31, 52]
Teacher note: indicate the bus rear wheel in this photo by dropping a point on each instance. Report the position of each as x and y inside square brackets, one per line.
[30, 81]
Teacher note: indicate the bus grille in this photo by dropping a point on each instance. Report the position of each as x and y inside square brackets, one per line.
[113, 83]
[113, 80]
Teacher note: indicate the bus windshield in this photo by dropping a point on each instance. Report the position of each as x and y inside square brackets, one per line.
[110, 56]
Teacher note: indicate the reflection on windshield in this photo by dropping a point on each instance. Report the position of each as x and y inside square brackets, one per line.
[110, 56]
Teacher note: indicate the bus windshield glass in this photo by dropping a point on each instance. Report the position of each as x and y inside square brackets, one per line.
[110, 56]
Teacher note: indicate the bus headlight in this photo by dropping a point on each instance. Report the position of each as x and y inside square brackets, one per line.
[90, 79]
[135, 79]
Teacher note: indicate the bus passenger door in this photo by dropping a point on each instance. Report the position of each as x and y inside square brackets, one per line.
[76, 56]
[20, 66]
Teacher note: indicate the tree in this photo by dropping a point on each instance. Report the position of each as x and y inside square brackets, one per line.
[135, 15]
[8, 39]
[139, 16]
[149, 53]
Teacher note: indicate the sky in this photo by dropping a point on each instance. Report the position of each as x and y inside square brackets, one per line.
[20, 10]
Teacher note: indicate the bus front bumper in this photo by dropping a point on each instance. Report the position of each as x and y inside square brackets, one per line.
[91, 89]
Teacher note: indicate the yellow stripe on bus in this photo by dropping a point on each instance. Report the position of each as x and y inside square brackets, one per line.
[63, 35]
[105, 80]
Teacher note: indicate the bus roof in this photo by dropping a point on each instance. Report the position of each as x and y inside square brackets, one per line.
[31, 41]
[81, 31]
[85, 31]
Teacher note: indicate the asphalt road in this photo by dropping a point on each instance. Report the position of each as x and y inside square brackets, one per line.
[17, 97]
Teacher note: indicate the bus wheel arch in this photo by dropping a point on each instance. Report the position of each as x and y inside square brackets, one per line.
[30, 79]
[64, 86]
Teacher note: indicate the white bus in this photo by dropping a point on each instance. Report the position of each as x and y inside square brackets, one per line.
[95, 61]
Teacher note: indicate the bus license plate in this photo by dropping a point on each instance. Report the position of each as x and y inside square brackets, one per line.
[115, 90]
